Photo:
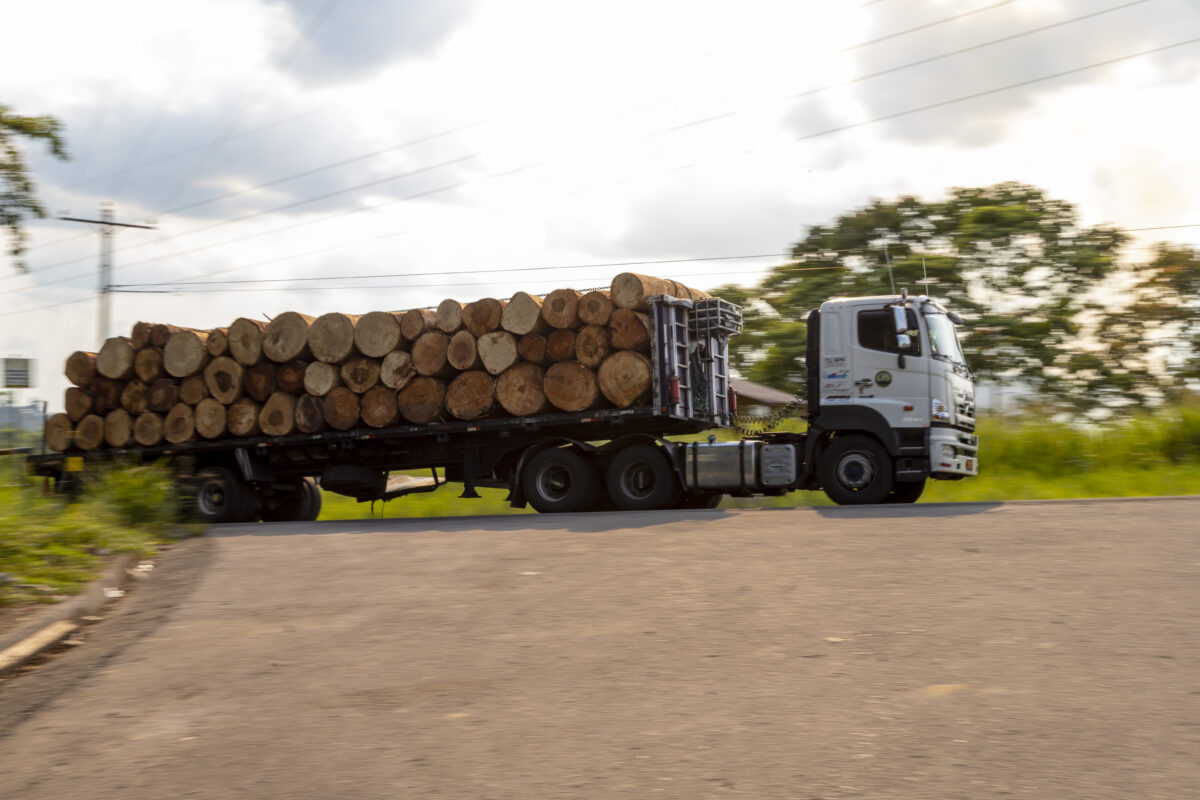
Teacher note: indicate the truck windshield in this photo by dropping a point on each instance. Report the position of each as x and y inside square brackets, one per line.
[943, 341]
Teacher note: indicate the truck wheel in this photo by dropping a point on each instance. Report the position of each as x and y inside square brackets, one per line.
[558, 481]
[302, 506]
[689, 500]
[222, 496]
[856, 470]
[906, 492]
[640, 478]
[310, 507]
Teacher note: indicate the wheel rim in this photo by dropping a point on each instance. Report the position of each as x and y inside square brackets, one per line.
[639, 480]
[856, 471]
[553, 482]
[211, 499]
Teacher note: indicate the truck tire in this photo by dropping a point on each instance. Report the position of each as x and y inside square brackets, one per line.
[689, 500]
[303, 506]
[310, 509]
[558, 481]
[640, 478]
[855, 470]
[906, 492]
[222, 496]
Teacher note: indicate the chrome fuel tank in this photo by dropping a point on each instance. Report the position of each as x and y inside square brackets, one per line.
[734, 466]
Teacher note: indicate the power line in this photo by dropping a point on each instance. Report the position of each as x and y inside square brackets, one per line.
[926, 26]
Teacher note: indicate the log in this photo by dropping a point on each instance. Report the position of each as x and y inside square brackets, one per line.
[139, 336]
[378, 333]
[379, 407]
[630, 290]
[278, 415]
[331, 337]
[560, 309]
[241, 418]
[497, 351]
[224, 378]
[360, 374]
[309, 416]
[449, 316]
[560, 345]
[179, 426]
[396, 370]
[289, 377]
[570, 386]
[89, 433]
[185, 353]
[624, 378]
[482, 316]
[163, 395]
[148, 364]
[60, 432]
[429, 355]
[106, 395]
[134, 397]
[471, 395]
[595, 308]
[193, 389]
[463, 353]
[210, 416]
[115, 359]
[630, 330]
[77, 403]
[417, 322]
[286, 337]
[592, 345]
[532, 348]
[80, 368]
[148, 429]
[245, 340]
[340, 408]
[118, 428]
[259, 381]
[320, 378]
[218, 342]
[161, 334]
[519, 390]
[422, 400]
[523, 314]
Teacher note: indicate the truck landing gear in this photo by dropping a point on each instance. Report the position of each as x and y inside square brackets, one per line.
[856, 470]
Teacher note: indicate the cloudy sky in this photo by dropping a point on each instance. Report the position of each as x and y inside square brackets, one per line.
[467, 148]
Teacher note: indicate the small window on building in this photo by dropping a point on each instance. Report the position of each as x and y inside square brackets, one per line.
[876, 331]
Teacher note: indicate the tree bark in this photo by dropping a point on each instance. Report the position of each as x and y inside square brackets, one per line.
[163, 395]
[148, 429]
[218, 342]
[310, 418]
[519, 390]
[360, 374]
[630, 330]
[148, 365]
[560, 309]
[422, 400]
[286, 337]
[115, 359]
[482, 316]
[625, 378]
[89, 433]
[118, 428]
[224, 378]
[341, 408]
[245, 340]
[497, 351]
[570, 386]
[161, 334]
[592, 345]
[331, 337]
[180, 423]
[106, 395]
[185, 353]
[78, 403]
[378, 333]
[289, 377]
[429, 355]
[210, 418]
[278, 415]
[259, 380]
[397, 369]
[139, 336]
[134, 397]
[80, 368]
[523, 315]
[60, 432]
[193, 389]
[418, 322]
[241, 418]
[560, 345]
[630, 290]
[449, 316]
[471, 395]
[321, 378]
[595, 308]
[463, 353]
[532, 348]
[379, 407]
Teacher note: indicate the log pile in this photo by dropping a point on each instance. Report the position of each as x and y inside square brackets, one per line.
[298, 374]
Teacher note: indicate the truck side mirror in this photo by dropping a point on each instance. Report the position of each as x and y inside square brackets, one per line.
[900, 318]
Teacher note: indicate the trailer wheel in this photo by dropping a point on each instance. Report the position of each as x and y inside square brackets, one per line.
[640, 478]
[559, 480]
[906, 492]
[222, 496]
[303, 506]
[710, 500]
[856, 470]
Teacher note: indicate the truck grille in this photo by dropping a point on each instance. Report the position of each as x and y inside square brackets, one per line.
[965, 413]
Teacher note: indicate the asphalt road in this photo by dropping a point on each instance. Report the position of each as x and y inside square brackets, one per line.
[1032, 650]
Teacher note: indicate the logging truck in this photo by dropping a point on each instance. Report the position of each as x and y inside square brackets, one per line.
[889, 404]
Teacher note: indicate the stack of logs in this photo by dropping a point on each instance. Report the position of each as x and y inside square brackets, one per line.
[528, 355]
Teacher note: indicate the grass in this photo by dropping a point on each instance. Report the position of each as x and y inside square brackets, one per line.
[50, 548]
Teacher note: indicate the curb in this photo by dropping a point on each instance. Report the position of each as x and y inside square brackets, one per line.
[57, 622]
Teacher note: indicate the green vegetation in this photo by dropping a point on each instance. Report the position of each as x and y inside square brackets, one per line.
[50, 548]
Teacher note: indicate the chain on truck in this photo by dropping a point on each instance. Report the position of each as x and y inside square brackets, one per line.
[889, 404]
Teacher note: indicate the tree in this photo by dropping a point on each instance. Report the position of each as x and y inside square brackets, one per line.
[17, 198]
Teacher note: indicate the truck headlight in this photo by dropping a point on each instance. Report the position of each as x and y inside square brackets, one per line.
[939, 411]
[948, 451]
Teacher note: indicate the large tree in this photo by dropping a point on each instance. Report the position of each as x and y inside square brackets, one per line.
[17, 197]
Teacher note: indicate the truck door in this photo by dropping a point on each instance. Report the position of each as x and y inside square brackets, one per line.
[900, 394]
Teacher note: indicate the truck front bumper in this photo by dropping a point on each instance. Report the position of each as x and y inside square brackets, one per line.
[953, 453]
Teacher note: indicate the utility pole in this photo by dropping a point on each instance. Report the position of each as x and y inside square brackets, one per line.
[106, 224]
